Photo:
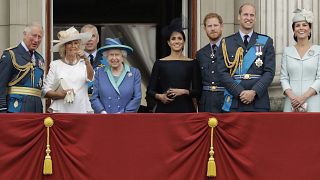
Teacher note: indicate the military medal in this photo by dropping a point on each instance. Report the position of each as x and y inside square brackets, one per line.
[40, 82]
[258, 61]
[212, 55]
[16, 104]
[212, 51]
[33, 62]
[258, 50]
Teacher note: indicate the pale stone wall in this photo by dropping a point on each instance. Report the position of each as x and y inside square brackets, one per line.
[14, 15]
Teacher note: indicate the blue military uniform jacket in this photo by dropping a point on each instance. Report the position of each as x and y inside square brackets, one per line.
[21, 80]
[266, 72]
[211, 101]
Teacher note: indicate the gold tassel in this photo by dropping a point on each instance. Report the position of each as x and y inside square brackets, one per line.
[47, 166]
[211, 169]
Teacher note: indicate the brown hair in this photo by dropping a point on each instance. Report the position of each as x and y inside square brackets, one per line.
[212, 15]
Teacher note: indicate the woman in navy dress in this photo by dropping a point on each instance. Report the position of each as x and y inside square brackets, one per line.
[175, 79]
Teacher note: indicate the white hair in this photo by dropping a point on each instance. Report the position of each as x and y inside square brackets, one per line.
[28, 27]
[123, 52]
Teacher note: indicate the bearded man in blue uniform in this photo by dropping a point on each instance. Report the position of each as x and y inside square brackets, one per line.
[21, 72]
[246, 64]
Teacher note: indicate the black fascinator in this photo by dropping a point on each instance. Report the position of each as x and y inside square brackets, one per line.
[176, 25]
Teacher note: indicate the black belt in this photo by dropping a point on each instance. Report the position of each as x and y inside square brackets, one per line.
[246, 76]
[212, 88]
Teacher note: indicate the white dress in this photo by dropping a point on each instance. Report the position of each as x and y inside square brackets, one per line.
[299, 74]
[76, 78]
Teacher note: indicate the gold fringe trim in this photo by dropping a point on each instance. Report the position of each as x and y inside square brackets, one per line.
[211, 168]
[47, 166]
[22, 69]
[238, 59]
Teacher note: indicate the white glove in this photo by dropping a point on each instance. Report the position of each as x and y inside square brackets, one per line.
[69, 98]
[103, 112]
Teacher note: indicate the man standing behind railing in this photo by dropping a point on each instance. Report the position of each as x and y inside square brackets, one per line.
[212, 90]
[246, 64]
[90, 49]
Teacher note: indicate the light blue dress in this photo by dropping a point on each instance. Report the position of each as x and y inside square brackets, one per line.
[299, 74]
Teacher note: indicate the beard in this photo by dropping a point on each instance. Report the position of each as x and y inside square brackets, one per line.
[214, 36]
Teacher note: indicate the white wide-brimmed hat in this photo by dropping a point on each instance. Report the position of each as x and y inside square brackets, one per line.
[68, 35]
[302, 15]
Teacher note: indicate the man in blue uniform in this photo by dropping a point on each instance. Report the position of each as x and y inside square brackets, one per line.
[246, 64]
[95, 57]
[212, 90]
[21, 72]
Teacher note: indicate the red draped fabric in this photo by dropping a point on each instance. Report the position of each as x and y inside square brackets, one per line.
[248, 146]
[102, 147]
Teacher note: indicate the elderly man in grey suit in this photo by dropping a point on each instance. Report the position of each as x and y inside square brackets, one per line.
[246, 64]
[212, 90]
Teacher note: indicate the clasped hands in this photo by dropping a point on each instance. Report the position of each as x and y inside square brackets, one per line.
[297, 102]
[247, 96]
[171, 94]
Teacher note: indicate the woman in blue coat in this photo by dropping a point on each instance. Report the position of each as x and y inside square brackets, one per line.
[117, 87]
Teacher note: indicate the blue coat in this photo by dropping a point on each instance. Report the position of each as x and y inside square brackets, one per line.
[112, 97]
[33, 79]
[267, 71]
[99, 61]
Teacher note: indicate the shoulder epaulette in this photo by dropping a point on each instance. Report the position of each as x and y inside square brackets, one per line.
[262, 35]
[10, 48]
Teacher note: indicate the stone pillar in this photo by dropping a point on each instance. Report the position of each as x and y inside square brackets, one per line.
[224, 9]
[22, 12]
[4, 24]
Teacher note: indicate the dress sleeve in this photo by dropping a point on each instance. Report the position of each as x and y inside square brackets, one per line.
[316, 84]
[135, 101]
[284, 75]
[96, 103]
[196, 81]
[154, 80]
[5, 74]
[50, 82]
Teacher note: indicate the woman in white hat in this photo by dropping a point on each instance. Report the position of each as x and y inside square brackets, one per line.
[117, 87]
[300, 68]
[66, 82]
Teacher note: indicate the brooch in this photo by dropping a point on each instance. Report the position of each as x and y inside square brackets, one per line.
[129, 74]
[311, 52]
[258, 62]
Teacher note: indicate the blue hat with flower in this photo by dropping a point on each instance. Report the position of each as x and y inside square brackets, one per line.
[115, 44]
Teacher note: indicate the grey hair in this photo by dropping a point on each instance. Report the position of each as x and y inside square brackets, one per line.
[90, 26]
[28, 27]
[123, 52]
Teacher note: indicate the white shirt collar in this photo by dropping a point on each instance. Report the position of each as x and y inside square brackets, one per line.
[94, 54]
[242, 35]
[24, 46]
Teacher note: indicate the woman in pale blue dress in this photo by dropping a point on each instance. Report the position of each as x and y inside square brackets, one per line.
[300, 68]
